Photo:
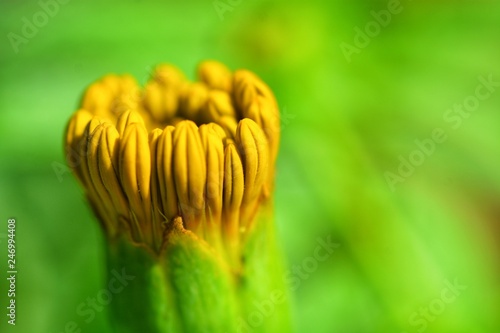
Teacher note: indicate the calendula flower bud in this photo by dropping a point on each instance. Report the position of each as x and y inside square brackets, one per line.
[180, 176]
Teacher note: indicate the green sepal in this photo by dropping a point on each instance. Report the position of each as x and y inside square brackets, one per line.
[145, 303]
[189, 287]
[201, 283]
[263, 290]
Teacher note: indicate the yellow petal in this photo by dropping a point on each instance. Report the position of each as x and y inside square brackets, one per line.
[161, 101]
[214, 154]
[189, 172]
[164, 165]
[112, 84]
[108, 159]
[96, 96]
[247, 86]
[252, 144]
[168, 75]
[135, 170]
[229, 124]
[128, 84]
[255, 100]
[244, 92]
[98, 193]
[126, 119]
[233, 189]
[218, 105]
[217, 130]
[215, 75]
[87, 141]
[74, 139]
[192, 100]
[158, 219]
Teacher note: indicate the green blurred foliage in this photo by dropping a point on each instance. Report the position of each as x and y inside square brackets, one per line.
[344, 125]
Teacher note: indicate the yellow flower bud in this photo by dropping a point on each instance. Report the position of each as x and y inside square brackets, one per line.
[202, 151]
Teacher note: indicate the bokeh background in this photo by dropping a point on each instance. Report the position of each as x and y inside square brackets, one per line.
[345, 124]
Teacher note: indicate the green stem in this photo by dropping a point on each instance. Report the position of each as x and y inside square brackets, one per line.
[190, 288]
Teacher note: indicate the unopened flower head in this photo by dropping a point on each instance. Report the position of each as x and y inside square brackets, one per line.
[198, 152]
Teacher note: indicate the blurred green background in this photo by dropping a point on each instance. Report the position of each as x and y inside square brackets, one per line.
[345, 124]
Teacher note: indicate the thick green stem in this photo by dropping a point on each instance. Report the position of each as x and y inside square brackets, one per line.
[190, 288]
[145, 303]
[263, 292]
